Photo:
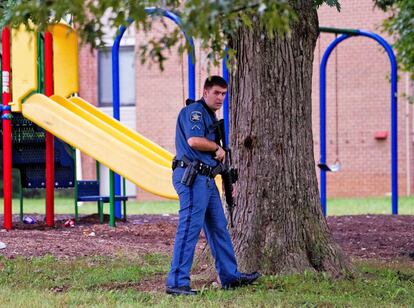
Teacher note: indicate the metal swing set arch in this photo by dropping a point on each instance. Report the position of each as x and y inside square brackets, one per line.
[345, 34]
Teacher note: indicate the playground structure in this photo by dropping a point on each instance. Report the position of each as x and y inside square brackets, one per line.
[345, 34]
[45, 86]
[73, 120]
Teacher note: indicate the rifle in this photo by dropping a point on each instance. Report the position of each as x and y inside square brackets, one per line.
[229, 174]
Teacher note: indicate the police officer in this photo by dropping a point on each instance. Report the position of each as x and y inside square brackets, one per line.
[200, 205]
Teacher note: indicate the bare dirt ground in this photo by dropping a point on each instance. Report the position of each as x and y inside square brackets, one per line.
[380, 237]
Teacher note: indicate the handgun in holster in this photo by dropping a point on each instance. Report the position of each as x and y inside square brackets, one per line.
[190, 172]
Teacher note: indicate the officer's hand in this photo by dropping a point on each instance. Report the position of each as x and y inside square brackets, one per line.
[220, 153]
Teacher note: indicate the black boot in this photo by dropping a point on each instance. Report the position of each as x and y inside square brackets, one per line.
[244, 280]
[180, 291]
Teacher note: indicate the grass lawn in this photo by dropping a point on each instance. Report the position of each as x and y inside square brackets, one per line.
[335, 206]
[373, 205]
[110, 282]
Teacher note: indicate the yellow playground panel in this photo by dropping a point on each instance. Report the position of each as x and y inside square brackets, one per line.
[65, 59]
[24, 66]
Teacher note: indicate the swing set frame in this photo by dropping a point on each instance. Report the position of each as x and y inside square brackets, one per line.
[345, 34]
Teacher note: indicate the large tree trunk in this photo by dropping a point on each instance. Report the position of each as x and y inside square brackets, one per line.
[279, 225]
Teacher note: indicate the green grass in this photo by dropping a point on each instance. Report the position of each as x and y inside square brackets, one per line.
[336, 206]
[373, 205]
[109, 282]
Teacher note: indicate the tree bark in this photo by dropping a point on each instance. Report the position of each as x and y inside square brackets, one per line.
[279, 225]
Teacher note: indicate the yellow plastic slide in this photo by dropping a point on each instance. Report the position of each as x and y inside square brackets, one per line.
[106, 140]
[153, 150]
[89, 110]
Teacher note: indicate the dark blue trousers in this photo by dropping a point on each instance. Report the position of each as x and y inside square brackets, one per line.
[200, 207]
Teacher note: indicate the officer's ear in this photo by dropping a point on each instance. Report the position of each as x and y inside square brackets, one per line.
[205, 92]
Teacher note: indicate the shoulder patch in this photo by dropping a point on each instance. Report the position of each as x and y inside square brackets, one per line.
[196, 116]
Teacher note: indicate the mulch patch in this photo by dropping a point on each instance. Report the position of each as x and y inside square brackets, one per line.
[139, 235]
[380, 237]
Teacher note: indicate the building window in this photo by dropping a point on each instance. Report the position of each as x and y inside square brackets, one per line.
[126, 76]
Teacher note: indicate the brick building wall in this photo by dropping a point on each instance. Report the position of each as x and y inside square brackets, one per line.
[363, 100]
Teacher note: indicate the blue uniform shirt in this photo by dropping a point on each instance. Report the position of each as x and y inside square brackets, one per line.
[195, 120]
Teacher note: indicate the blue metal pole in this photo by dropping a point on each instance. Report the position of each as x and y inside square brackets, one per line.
[116, 97]
[322, 116]
[394, 117]
[226, 107]
[191, 76]
[394, 132]
[394, 114]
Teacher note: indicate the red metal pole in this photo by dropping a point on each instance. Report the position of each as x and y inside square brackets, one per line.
[50, 159]
[7, 130]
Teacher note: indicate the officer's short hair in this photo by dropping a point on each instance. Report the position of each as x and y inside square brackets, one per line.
[215, 81]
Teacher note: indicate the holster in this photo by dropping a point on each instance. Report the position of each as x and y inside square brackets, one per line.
[190, 172]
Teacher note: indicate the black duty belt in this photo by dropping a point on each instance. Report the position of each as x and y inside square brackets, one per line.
[202, 168]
